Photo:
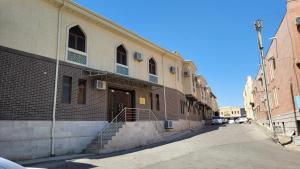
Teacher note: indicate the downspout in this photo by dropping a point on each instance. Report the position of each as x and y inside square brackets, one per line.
[56, 79]
[164, 89]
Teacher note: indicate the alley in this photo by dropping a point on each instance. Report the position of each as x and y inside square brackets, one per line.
[217, 147]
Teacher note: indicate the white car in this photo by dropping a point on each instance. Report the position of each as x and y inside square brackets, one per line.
[241, 120]
[6, 164]
[217, 120]
[231, 121]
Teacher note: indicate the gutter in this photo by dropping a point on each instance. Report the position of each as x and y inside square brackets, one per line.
[56, 79]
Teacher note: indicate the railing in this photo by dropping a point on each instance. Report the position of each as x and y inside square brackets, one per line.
[128, 115]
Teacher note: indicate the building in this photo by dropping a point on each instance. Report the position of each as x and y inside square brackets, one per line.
[230, 112]
[67, 74]
[282, 72]
[248, 98]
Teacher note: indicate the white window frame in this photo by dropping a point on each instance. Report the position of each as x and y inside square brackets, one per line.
[74, 50]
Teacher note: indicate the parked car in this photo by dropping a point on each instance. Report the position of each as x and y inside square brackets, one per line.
[217, 120]
[230, 121]
[6, 164]
[241, 120]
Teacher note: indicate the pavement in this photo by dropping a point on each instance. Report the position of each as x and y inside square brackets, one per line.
[235, 146]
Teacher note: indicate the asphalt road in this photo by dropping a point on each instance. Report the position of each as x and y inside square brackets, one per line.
[236, 146]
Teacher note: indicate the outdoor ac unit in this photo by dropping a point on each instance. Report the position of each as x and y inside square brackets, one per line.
[172, 69]
[138, 56]
[168, 124]
[187, 73]
[298, 21]
[100, 85]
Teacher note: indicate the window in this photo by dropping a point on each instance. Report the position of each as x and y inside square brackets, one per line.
[178, 74]
[275, 95]
[151, 101]
[121, 55]
[152, 66]
[81, 91]
[157, 102]
[66, 89]
[77, 46]
[274, 64]
[77, 39]
[182, 107]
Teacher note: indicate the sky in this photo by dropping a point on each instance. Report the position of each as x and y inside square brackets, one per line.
[219, 36]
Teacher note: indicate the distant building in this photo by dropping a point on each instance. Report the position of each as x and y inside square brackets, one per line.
[230, 112]
[248, 98]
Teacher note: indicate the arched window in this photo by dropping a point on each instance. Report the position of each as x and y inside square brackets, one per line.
[121, 55]
[152, 66]
[77, 39]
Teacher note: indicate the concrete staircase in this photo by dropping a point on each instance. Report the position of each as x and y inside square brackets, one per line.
[132, 127]
[296, 140]
[101, 140]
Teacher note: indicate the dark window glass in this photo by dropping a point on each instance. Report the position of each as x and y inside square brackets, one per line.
[157, 102]
[66, 89]
[81, 91]
[152, 66]
[151, 101]
[274, 64]
[72, 41]
[182, 107]
[121, 55]
[76, 39]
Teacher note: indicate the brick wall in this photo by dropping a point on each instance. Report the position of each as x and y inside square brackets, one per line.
[26, 85]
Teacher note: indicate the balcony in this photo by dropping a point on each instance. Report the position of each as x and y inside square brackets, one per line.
[77, 57]
[122, 69]
[153, 78]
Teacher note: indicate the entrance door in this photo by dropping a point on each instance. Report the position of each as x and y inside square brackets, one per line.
[118, 100]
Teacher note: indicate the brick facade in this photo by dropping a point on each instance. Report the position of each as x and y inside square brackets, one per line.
[282, 75]
[27, 89]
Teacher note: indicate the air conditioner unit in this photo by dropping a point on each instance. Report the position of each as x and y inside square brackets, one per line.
[298, 21]
[168, 124]
[138, 56]
[100, 85]
[187, 73]
[263, 99]
[172, 69]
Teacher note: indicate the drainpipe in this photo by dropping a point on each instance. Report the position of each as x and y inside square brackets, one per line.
[164, 90]
[56, 80]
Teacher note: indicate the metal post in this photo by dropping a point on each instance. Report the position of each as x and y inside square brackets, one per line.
[101, 142]
[125, 114]
[258, 27]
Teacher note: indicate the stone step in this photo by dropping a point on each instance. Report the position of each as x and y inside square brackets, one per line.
[296, 140]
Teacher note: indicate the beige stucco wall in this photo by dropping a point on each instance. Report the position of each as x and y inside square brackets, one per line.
[248, 97]
[230, 112]
[32, 26]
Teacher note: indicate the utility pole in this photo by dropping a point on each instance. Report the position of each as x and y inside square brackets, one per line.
[258, 27]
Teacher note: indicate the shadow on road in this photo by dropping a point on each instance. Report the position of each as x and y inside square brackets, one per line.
[194, 132]
[61, 164]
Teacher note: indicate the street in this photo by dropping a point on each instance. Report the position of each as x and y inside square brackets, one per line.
[235, 146]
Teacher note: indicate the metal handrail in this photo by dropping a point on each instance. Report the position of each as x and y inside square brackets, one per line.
[113, 126]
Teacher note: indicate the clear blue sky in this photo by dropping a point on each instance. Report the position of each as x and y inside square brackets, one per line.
[219, 36]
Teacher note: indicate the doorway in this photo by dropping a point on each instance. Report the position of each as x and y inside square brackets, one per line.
[118, 99]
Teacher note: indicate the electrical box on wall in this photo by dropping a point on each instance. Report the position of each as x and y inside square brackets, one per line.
[297, 102]
[298, 21]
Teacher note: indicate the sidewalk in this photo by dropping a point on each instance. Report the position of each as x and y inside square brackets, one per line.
[168, 138]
